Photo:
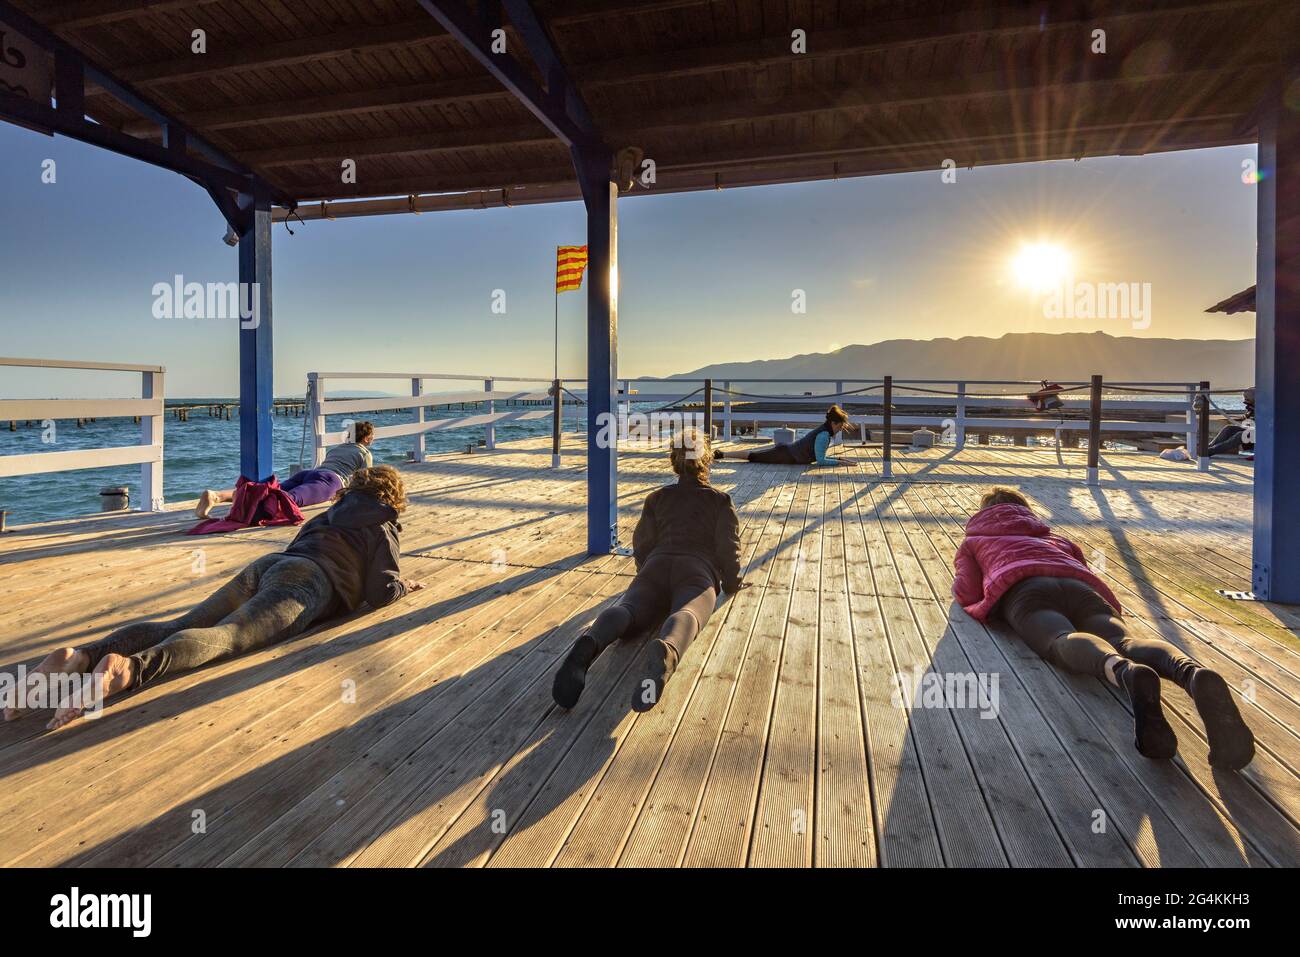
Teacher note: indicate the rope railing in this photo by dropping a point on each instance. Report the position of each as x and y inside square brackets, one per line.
[916, 404]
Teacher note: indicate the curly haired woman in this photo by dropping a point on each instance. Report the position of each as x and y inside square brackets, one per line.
[343, 557]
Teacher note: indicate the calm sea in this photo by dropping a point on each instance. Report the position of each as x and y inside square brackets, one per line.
[200, 453]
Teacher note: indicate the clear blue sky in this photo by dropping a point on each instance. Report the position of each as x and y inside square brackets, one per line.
[705, 277]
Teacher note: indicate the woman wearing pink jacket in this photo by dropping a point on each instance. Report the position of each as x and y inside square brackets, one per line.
[1010, 563]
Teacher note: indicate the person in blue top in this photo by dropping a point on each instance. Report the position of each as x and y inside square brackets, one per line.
[808, 449]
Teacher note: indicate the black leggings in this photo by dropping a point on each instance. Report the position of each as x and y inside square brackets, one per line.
[680, 586]
[1069, 624]
[777, 455]
[1227, 441]
[276, 597]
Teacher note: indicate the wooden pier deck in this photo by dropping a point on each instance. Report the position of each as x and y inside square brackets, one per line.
[424, 734]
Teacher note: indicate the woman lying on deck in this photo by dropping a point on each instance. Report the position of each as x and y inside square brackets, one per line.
[686, 547]
[1011, 562]
[808, 449]
[311, 486]
[342, 557]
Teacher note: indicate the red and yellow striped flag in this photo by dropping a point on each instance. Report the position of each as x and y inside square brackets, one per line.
[570, 262]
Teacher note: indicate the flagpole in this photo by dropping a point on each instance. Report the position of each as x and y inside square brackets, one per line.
[557, 320]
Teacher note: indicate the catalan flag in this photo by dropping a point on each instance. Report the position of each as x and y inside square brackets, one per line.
[570, 263]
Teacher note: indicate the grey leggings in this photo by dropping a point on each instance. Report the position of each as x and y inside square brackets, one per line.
[679, 586]
[1069, 624]
[276, 597]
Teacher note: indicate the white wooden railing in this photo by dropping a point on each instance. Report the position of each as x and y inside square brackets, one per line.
[148, 453]
[966, 398]
[421, 401]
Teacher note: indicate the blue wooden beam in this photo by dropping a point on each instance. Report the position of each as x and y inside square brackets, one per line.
[43, 37]
[62, 121]
[560, 89]
[256, 373]
[1276, 565]
[565, 117]
[600, 195]
[212, 168]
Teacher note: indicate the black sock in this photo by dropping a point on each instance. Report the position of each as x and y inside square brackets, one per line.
[1152, 735]
[572, 675]
[1231, 743]
[660, 659]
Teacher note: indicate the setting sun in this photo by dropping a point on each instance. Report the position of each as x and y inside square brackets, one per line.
[1040, 266]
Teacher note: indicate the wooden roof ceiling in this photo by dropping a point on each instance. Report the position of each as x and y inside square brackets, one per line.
[709, 89]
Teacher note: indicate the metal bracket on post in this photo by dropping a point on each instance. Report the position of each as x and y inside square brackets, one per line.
[886, 447]
[1094, 431]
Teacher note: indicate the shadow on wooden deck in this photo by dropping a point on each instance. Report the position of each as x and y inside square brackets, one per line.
[424, 734]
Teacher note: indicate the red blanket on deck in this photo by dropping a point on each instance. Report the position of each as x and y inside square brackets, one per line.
[256, 503]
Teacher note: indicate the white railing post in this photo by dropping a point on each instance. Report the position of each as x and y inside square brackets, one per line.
[316, 390]
[151, 433]
[417, 391]
[488, 386]
[961, 415]
[1190, 440]
[726, 411]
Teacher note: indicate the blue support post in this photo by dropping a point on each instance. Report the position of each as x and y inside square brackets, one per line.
[1276, 566]
[256, 376]
[600, 194]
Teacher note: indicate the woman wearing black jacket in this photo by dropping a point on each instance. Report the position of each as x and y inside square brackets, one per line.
[343, 557]
[687, 549]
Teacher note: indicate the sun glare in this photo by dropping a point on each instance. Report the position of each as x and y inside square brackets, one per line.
[1040, 266]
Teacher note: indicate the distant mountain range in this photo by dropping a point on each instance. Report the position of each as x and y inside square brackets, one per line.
[1225, 363]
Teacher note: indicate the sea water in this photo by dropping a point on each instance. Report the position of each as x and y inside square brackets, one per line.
[203, 453]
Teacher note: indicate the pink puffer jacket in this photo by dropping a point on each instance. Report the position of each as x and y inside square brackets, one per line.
[1006, 544]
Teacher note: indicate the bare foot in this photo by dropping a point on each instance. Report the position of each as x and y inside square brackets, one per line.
[64, 661]
[207, 501]
[117, 674]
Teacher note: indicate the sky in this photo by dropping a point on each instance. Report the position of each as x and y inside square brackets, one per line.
[704, 277]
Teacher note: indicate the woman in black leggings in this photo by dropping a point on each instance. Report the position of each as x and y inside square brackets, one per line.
[1011, 563]
[687, 548]
[341, 558]
[810, 448]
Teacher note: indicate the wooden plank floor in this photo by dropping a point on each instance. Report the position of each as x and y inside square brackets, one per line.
[424, 734]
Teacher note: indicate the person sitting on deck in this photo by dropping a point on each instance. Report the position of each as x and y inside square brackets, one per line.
[342, 557]
[1231, 439]
[312, 486]
[1010, 563]
[687, 548]
[808, 449]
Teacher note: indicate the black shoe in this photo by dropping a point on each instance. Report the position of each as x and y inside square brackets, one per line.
[572, 676]
[1152, 734]
[1231, 743]
[660, 663]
